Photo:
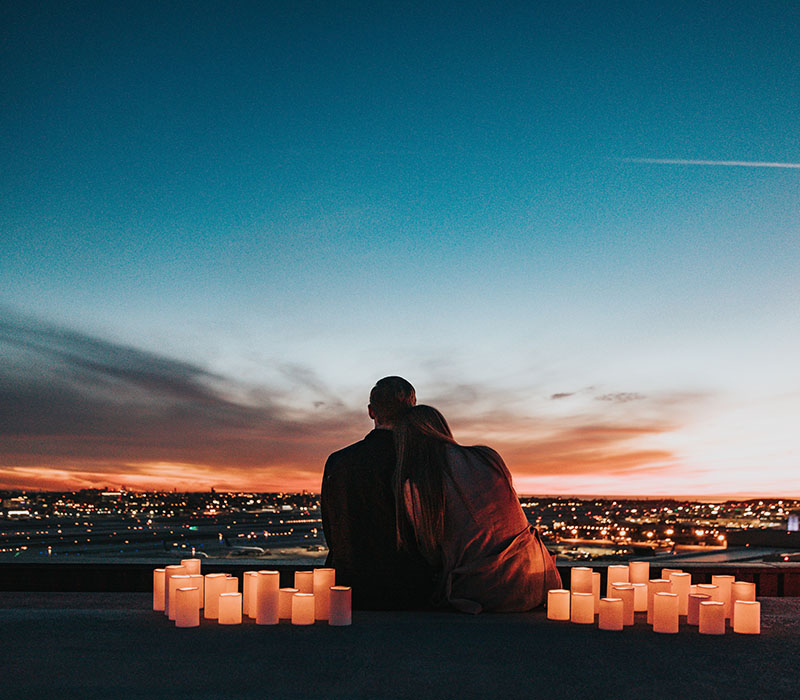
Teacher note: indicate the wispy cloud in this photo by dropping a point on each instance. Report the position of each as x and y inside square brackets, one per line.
[720, 163]
[77, 410]
[85, 406]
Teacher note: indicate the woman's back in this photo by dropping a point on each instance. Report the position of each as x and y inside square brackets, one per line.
[490, 556]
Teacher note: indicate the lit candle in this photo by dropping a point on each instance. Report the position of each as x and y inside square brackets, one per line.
[169, 571]
[269, 584]
[231, 584]
[176, 581]
[192, 566]
[693, 614]
[323, 580]
[187, 607]
[747, 617]
[741, 590]
[304, 581]
[624, 591]
[558, 604]
[616, 574]
[681, 583]
[198, 581]
[655, 585]
[341, 607]
[303, 609]
[215, 585]
[158, 589]
[230, 608]
[596, 590]
[250, 585]
[665, 573]
[611, 614]
[725, 584]
[285, 602]
[692, 589]
[639, 571]
[639, 597]
[712, 617]
[665, 613]
[708, 589]
[582, 608]
[580, 579]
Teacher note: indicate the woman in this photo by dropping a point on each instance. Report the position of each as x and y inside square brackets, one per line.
[459, 507]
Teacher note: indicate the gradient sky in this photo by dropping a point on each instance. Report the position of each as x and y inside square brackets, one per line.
[574, 227]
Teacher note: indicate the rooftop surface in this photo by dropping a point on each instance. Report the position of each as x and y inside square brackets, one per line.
[112, 645]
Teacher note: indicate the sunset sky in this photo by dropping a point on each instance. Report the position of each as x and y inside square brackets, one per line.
[573, 226]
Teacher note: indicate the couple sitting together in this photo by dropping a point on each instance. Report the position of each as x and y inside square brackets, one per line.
[415, 520]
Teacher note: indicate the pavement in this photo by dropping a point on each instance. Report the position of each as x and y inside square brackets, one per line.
[113, 646]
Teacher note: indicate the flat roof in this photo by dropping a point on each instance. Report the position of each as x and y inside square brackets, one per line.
[112, 645]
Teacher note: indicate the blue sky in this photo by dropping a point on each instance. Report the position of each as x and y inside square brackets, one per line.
[294, 199]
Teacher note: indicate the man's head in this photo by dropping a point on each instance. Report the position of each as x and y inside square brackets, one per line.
[389, 399]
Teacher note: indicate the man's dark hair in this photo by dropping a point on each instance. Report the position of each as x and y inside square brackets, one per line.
[390, 398]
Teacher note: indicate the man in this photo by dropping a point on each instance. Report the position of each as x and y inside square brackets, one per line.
[358, 512]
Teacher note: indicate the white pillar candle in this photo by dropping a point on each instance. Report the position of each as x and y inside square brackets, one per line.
[692, 589]
[665, 573]
[231, 584]
[580, 579]
[198, 581]
[230, 608]
[747, 617]
[176, 581]
[215, 585]
[158, 589]
[624, 591]
[285, 602]
[304, 581]
[639, 597]
[665, 613]
[323, 580]
[656, 585]
[708, 589]
[693, 614]
[596, 583]
[639, 571]
[169, 571]
[558, 604]
[743, 590]
[250, 588]
[269, 584]
[192, 566]
[712, 617]
[616, 574]
[680, 586]
[611, 614]
[187, 606]
[303, 609]
[341, 606]
[582, 611]
[725, 584]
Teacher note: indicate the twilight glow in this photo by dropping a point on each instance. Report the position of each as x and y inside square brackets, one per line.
[222, 223]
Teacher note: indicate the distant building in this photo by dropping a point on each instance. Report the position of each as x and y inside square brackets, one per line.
[794, 521]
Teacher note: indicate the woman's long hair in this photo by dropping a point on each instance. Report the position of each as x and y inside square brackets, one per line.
[421, 437]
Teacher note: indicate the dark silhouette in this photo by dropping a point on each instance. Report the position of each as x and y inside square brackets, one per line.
[358, 512]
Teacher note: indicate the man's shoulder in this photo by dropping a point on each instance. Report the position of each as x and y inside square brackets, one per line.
[375, 445]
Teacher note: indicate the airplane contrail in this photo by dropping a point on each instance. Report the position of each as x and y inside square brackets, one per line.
[724, 163]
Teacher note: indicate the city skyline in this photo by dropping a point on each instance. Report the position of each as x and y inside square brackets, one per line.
[573, 229]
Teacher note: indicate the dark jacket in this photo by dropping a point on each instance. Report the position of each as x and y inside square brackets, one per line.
[358, 517]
